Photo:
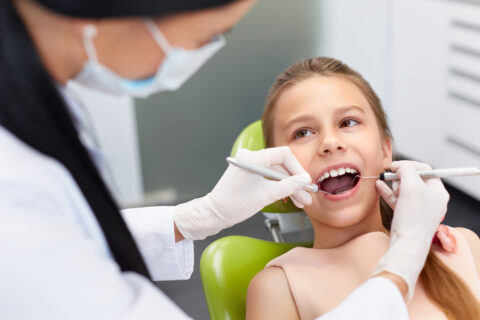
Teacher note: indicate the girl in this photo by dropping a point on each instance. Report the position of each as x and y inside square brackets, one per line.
[335, 125]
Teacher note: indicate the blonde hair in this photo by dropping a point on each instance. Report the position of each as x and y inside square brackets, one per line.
[443, 286]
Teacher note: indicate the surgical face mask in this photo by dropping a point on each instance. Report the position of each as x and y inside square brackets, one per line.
[175, 69]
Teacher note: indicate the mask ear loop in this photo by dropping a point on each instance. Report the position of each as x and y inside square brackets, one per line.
[158, 36]
[90, 32]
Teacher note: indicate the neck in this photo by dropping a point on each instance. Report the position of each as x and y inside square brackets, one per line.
[57, 43]
[327, 236]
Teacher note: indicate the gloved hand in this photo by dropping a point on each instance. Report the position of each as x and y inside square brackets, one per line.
[240, 194]
[419, 208]
[443, 238]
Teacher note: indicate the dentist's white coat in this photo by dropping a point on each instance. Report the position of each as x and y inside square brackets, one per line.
[54, 260]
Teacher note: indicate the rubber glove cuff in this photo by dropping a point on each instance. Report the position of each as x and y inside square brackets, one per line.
[405, 257]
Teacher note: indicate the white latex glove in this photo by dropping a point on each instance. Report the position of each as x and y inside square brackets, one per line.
[419, 208]
[240, 194]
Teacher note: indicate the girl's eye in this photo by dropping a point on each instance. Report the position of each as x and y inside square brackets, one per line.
[348, 123]
[302, 133]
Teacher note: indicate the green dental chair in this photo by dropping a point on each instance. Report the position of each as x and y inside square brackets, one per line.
[228, 264]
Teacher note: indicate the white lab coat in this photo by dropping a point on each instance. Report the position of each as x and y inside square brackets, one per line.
[55, 262]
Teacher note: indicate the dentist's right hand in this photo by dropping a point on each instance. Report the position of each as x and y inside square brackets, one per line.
[419, 208]
[240, 194]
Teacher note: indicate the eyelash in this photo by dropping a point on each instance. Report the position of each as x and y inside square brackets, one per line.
[301, 133]
[348, 119]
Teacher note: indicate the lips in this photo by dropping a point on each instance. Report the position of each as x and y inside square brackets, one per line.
[339, 181]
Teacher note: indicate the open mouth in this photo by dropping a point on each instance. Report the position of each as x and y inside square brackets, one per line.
[339, 180]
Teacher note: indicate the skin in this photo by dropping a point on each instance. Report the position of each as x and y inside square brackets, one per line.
[124, 45]
[325, 136]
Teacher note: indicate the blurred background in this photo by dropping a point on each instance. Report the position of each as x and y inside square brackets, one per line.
[421, 56]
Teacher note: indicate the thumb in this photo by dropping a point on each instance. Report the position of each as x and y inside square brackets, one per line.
[291, 185]
[386, 193]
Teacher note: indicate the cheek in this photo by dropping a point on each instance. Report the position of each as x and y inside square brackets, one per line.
[371, 152]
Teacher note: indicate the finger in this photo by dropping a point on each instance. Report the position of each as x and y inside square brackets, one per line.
[281, 169]
[407, 172]
[243, 154]
[273, 156]
[400, 168]
[297, 203]
[290, 186]
[395, 165]
[386, 193]
[446, 240]
[396, 187]
[301, 198]
[284, 156]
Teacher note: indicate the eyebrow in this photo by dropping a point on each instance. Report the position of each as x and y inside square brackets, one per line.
[293, 121]
[306, 117]
[348, 108]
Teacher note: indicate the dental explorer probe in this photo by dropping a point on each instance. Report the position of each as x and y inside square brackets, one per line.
[266, 172]
[434, 173]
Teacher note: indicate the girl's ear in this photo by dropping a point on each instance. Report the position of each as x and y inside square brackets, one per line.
[387, 152]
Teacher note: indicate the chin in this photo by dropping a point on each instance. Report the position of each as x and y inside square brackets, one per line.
[339, 218]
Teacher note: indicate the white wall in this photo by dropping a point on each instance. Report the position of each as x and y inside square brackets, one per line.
[357, 32]
[436, 86]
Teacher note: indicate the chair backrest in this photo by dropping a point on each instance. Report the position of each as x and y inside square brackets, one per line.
[228, 265]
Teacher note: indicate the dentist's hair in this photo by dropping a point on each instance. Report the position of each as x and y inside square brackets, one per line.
[443, 286]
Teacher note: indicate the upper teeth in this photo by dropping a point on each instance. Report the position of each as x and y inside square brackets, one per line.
[336, 172]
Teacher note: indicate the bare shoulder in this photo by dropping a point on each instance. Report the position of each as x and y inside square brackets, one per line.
[269, 296]
[471, 237]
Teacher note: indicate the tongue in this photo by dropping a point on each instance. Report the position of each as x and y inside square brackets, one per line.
[338, 184]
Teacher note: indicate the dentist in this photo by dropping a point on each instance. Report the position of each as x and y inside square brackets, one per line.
[66, 250]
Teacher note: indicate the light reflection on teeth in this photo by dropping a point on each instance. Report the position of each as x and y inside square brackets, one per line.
[336, 172]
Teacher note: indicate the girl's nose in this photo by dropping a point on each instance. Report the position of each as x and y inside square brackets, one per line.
[331, 144]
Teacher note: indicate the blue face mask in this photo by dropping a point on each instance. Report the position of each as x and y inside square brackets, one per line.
[176, 68]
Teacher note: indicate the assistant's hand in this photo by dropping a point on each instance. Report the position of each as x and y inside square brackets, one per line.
[240, 194]
[419, 208]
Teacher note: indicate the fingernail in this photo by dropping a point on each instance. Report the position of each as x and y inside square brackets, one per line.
[441, 235]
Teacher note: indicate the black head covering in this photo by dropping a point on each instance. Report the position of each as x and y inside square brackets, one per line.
[127, 8]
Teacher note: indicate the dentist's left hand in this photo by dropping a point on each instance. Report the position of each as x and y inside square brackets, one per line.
[240, 194]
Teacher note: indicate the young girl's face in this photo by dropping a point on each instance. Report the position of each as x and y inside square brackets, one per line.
[330, 127]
